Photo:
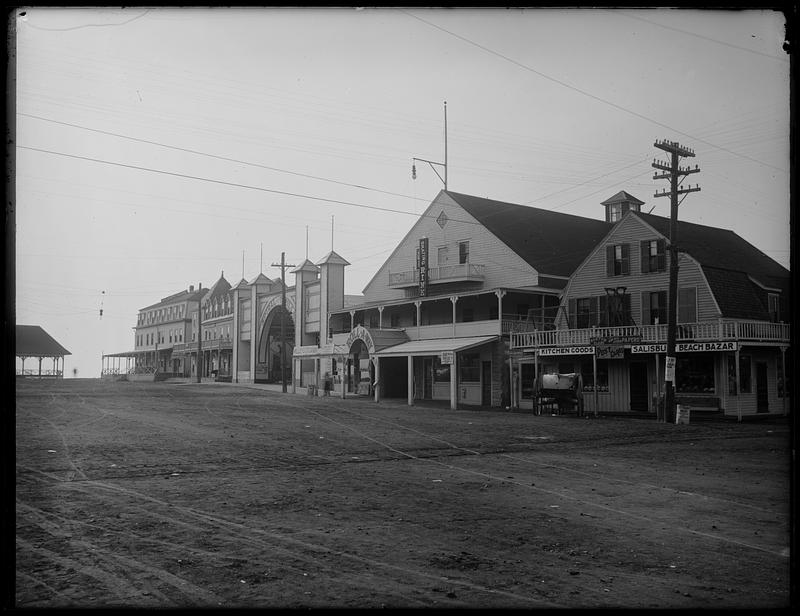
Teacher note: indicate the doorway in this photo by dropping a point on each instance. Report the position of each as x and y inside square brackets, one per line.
[762, 392]
[486, 383]
[638, 386]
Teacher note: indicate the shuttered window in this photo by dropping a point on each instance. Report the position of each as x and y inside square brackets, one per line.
[618, 260]
[654, 306]
[653, 257]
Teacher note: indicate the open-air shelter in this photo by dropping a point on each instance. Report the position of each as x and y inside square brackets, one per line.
[32, 342]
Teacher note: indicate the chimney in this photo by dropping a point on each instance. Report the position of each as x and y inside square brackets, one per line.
[191, 288]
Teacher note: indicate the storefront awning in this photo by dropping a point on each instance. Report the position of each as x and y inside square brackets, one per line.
[434, 347]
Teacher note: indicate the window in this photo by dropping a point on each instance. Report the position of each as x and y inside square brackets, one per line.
[653, 256]
[394, 320]
[687, 305]
[618, 260]
[783, 384]
[586, 312]
[744, 374]
[694, 374]
[614, 212]
[468, 315]
[654, 306]
[773, 305]
[442, 255]
[586, 315]
[463, 252]
[469, 368]
[587, 375]
[441, 372]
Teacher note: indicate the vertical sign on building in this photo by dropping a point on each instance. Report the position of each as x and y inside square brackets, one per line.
[669, 369]
[423, 266]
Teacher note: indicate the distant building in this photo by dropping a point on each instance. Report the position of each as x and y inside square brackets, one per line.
[32, 342]
[161, 334]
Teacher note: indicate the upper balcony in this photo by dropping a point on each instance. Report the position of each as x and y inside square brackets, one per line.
[463, 272]
[752, 332]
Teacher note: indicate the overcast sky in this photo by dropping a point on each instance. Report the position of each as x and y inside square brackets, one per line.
[157, 148]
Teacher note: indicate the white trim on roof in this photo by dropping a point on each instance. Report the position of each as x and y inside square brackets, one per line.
[434, 346]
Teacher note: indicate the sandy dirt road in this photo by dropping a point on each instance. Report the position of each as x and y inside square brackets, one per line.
[216, 495]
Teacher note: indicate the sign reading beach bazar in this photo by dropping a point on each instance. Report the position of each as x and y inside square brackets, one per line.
[686, 347]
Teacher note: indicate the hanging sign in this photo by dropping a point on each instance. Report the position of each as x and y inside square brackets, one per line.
[423, 266]
[669, 369]
[609, 351]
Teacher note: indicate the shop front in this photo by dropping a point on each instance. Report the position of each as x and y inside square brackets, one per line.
[714, 377]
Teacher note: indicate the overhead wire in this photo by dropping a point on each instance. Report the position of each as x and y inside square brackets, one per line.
[700, 36]
[587, 93]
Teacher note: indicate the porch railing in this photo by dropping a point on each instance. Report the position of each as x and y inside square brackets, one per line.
[443, 273]
[745, 331]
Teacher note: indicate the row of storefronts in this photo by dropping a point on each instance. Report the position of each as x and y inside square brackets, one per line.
[482, 297]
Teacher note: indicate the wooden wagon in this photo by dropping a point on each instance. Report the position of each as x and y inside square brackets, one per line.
[558, 393]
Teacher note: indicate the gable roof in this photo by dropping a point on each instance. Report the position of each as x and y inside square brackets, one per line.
[333, 258]
[33, 341]
[221, 287]
[553, 243]
[305, 266]
[622, 197]
[722, 249]
[260, 279]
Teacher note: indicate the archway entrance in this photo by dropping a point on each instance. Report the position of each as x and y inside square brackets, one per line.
[269, 355]
[360, 371]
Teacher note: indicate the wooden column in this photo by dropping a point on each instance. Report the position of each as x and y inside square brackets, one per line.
[410, 380]
[454, 381]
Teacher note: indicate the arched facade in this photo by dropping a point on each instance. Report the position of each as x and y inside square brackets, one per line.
[273, 350]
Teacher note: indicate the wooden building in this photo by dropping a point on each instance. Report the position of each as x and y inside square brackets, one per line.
[732, 322]
[435, 319]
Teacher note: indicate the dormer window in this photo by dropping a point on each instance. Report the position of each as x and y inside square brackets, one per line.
[620, 204]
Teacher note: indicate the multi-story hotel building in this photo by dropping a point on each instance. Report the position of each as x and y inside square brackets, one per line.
[161, 333]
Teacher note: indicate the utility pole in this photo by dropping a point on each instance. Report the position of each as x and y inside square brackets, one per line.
[433, 164]
[199, 337]
[673, 172]
[283, 265]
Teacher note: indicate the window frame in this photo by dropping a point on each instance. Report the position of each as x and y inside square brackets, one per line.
[463, 252]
